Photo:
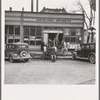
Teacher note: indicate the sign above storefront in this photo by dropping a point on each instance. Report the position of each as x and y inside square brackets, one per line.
[54, 20]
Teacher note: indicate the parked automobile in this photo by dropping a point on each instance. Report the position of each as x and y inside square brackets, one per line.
[86, 51]
[17, 51]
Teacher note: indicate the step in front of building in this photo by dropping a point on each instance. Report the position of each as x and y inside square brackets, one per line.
[36, 54]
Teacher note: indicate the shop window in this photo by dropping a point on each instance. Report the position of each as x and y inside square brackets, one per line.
[5, 29]
[32, 42]
[72, 32]
[5, 39]
[78, 32]
[32, 31]
[67, 39]
[26, 41]
[67, 32]
[10, 40]
[11, 30]
[17, 30]
[38, 32]
[26, 30]
[38, 42]
[17, 40]
[27, 36]
[72, 39]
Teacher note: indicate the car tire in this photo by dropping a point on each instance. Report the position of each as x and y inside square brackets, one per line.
[23, 53]
[92, 58]
[73, 56]
[11, 58]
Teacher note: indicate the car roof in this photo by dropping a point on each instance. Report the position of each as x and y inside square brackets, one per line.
[87, 43]
[19, 43]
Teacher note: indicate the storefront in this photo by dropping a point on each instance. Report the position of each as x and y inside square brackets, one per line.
[36, 27]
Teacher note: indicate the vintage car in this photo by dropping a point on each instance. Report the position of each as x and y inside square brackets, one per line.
[86, 51]
[17, 51]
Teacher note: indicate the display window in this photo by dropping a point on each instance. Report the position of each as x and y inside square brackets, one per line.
[32, 35]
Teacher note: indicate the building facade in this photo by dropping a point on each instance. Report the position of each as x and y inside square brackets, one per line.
[36, 27]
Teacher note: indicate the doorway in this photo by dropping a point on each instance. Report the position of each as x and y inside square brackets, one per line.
[60, 38]
[52, 36]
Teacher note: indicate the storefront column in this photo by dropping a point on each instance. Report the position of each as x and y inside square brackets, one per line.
[63, 34]
[42, 34]
[82, 36]
[7, 34]
[21, 33]
[21, 29]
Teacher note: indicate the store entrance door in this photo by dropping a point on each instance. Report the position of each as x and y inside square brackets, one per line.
[60, 38]
[52, 36]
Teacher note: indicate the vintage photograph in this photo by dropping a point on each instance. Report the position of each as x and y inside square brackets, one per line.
[50, 43]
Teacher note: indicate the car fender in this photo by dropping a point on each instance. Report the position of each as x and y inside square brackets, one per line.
[11, 54]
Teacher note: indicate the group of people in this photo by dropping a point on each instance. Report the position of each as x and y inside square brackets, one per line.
[52, 43]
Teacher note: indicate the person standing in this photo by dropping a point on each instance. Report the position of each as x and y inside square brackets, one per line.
[64, 48]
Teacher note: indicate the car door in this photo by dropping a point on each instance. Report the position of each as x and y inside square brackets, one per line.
[80, 52]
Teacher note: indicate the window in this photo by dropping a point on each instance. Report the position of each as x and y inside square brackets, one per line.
[10, 40]
[72, 35]
[5, 29]
[72, 39]
[32, 31]
[17, 40]
[17, 30]
[11, 30]
[38, 32]
[72, 32]
[26, 30]
[67, 39]
[32, 35]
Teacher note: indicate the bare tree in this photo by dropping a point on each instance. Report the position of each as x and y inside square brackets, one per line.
[90, 17]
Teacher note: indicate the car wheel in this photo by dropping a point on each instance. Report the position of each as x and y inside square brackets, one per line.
[73, 56]
[23, 53]
[26, 60]
[11, 59]
[92, 58]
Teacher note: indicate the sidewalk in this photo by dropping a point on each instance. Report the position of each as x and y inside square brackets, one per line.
[38, 54]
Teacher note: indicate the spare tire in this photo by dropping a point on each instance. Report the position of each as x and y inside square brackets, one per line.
[23, 54]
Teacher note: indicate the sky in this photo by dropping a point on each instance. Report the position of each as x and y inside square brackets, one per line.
[69, 5]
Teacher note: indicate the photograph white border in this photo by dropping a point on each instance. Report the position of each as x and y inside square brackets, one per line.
[49, 92]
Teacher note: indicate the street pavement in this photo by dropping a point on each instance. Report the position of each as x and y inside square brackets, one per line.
[38, 71]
